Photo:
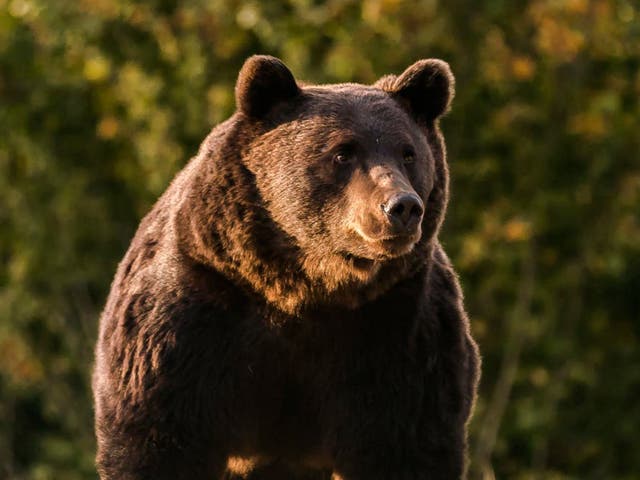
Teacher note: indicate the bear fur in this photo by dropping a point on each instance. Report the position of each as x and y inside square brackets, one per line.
[286, 310]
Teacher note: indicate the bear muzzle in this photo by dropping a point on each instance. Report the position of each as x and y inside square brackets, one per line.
[403, 211]
[393, 229]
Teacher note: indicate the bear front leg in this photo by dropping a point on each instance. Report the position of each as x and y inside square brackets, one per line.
[409, 422]
[385, 462]
[141, 454]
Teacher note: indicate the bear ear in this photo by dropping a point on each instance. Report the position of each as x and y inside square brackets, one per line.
[263, 82]
[426, 88]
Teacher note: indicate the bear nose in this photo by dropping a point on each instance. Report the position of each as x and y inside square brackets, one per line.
[404, 210]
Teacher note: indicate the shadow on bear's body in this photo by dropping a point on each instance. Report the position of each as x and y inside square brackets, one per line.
[286, 310]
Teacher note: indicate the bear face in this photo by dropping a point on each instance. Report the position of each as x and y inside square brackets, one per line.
[350, 179]
[352, 185]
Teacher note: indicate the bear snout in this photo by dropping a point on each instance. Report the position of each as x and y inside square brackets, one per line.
[403, 211]
[391, 229]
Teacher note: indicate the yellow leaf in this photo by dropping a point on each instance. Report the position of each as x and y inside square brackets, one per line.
[107, 128]
[96, 68]
[523, 67]
[517, 230]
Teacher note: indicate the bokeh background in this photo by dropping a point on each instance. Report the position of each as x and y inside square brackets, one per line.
[102, 101]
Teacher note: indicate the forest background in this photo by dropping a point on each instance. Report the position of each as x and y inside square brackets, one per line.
[102, 101]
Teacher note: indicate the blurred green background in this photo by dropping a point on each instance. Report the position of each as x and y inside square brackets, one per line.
[102, 101]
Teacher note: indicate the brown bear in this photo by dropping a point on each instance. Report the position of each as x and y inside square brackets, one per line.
[286, 310]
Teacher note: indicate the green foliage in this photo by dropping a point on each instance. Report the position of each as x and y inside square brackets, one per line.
[102, 101]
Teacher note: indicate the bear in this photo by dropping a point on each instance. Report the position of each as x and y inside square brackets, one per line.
[286, 310]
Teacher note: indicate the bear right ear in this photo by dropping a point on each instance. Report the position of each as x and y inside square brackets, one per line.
[263, 82]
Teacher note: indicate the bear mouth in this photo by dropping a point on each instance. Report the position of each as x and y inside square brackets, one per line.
[399, 245]
[392, 248]
[385, 247]
[388, 248]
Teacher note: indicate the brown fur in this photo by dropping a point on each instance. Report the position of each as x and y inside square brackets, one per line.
[272, 317]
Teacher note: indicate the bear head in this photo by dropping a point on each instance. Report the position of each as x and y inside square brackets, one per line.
[326, 195]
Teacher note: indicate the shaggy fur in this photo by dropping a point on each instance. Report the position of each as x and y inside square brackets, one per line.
[280, 313]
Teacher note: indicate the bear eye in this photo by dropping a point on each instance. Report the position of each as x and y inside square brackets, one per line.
[408, 156]
[343, 156]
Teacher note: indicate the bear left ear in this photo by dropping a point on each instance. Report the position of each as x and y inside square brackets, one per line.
[426, 88]
[263, 82]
